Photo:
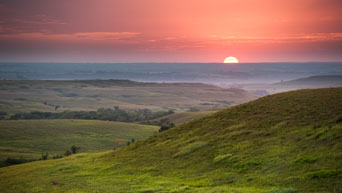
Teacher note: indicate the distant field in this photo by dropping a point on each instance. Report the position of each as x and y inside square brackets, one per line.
[29, 138]
[88, 95]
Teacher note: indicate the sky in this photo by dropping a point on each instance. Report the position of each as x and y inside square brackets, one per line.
[170, 30]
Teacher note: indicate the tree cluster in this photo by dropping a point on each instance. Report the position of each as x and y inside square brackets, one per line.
[108, 114]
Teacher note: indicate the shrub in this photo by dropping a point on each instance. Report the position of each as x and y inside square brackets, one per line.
[57, 156]
[74, 149]
[3, 115]
[67, 153]
[164, 128]
[45, 156]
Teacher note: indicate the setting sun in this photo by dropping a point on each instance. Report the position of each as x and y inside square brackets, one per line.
[231, 60]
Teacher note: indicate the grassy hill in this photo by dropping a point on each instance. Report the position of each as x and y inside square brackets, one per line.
[89, 95]
[283, 143]
[29, 138]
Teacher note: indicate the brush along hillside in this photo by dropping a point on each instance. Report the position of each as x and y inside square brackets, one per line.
[288, 142]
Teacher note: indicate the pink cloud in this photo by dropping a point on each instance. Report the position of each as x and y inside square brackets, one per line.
[108, 36]
[316, 37]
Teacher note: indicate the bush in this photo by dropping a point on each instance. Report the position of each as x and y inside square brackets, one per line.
[164, 128]
[74, 149]
[57, 156]
[67, 153]
[45, 156]
[3, 115]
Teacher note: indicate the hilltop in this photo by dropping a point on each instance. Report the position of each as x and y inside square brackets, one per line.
[283, 143]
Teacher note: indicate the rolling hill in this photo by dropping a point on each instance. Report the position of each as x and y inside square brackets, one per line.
[89, 95]
[283, 143]
[314, 82]
[311, 82]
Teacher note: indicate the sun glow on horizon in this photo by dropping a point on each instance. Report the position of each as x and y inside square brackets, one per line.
[231, 60]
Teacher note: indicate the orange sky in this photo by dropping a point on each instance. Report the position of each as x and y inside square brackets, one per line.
[170, 30]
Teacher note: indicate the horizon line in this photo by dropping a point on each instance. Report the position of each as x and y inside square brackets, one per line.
[20, 62]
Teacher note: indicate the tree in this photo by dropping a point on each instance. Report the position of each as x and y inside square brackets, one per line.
[164, 128]
[3, 115]
[45, 156]
[74, 149]
[67, 153]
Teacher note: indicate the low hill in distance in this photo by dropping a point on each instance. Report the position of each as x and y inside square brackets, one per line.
[28, 139]
[323, 81]
[283, 143]
[89, 95]
[315, 81]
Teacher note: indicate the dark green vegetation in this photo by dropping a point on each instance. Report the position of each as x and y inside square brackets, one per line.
[90, 95]
[101, 114]
[284, 143]
[28, 139]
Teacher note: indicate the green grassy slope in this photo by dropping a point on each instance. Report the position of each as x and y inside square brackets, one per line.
[183, 117]
[29, 138]
[283, 143]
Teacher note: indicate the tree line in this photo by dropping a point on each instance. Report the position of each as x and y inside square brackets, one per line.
[116, 114]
